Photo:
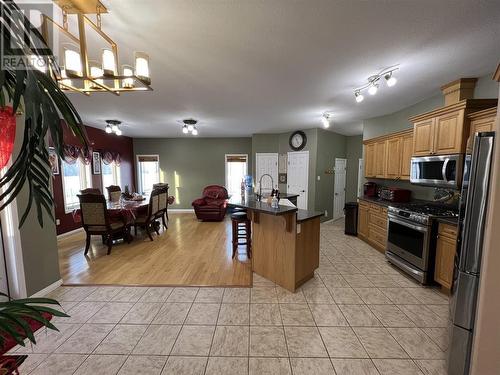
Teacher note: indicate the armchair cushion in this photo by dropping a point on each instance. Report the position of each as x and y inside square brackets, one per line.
[199, 202]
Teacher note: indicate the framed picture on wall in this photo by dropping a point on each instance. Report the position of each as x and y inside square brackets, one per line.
[96, 162]
[54, 161]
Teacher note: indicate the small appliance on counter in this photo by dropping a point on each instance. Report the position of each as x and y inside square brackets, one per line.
[394, 194]
[370, 189]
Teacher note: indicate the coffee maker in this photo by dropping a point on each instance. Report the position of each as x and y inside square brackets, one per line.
[370, 189]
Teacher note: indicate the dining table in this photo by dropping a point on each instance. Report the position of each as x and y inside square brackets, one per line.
[122, 209]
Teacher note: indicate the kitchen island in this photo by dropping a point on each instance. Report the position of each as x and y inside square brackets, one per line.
[285, 241]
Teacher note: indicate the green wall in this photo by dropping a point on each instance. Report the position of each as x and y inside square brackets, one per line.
[39, 245]
[354, 152]
[190, 164]
[330, 146]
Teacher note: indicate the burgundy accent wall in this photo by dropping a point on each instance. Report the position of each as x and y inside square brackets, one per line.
[100, 141]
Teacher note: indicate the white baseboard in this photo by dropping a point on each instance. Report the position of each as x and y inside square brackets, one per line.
[62, 235]
[179, 210]
[48, 289]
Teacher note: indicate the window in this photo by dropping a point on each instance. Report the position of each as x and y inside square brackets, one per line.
[110, 174]
[75, 177]
[236, 170]
[148, 172]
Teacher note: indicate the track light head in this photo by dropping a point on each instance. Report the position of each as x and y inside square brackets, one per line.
[372, 90]
[390, 80]
[359, 97]
[325, 120]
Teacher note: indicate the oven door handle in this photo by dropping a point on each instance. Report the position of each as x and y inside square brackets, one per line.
[419, 228]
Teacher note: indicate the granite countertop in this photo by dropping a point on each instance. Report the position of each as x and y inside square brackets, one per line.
[386, 203]
[248, 201]
[448, 220]
[288, 196]
[303, 215]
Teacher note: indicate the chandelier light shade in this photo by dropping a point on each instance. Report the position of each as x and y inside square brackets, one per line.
[108, 62]
[65, 82]
[195, 131]
[72, 62]
[142, 66]
[96, 72]
[108, 129]
[127, 71]
[185, 129]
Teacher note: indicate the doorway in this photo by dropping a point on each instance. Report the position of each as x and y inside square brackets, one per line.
[339, 188]
[298, 176]
[266, 163]
[236, 170]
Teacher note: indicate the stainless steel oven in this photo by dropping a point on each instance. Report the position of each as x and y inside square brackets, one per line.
[409, 245]
[439, 171]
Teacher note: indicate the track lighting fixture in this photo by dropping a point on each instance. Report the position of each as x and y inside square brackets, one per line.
[359, 97]
[373, 85]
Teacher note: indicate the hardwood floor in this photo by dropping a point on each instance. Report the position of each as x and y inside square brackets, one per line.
[188, 253]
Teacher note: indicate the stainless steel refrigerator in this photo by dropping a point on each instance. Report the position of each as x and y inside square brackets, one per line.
[472, 221]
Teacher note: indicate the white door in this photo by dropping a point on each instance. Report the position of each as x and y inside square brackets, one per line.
[266, 163]
[361, 176]
[339, 188]
[298, 176]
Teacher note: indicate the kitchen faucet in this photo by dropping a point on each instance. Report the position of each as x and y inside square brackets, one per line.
[260, 184]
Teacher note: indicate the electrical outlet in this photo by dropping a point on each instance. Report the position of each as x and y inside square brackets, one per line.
[319, 178]
[326, 213]
[58, 222]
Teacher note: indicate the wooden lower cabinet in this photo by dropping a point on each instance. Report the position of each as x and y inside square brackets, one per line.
[372, 224]
[445, 254]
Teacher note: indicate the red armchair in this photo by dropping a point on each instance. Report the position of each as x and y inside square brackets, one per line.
[212, 206]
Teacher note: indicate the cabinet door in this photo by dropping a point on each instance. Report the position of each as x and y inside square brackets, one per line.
[370, 160]
[363, 218]
[393, 157]
[380, 154]
[406, 153]
[445, 255]
[423, 137]
[448, 133]
[478, 126]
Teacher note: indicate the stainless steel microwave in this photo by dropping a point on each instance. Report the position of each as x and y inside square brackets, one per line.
[439, 171]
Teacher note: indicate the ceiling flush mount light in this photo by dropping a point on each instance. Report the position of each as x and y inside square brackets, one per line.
[326, 119]
[113, 126]
[189, 126]
[83, 75]
[373, 85]
[359, 97]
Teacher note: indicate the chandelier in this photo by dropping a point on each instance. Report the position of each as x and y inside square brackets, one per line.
[81, 74]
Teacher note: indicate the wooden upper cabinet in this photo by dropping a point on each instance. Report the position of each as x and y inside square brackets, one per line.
[370, 160]
[423, 137]
[481, 121]
[449, 133]
[445, 130]
[393, 159]
[380, 158]
[406, 153]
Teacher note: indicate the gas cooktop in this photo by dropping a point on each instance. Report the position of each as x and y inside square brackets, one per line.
[423, 212]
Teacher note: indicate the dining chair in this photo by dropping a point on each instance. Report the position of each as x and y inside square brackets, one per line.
[96, 221]
[114, 193]
[163, 203]
[91, 191]
[154, 212]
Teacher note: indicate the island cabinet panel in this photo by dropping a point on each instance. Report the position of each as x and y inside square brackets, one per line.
[423, 137]
[283, 250]
[380, 159]
[370, 160]
[449, 133]
[393, 159]
[406, 153]
[445, 254]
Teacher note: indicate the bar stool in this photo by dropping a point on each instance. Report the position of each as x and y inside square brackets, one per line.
[241, 229]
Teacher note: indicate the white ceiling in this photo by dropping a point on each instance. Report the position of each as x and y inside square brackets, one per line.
[262, 66]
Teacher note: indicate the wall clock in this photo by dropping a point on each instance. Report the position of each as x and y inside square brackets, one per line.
[298, 140]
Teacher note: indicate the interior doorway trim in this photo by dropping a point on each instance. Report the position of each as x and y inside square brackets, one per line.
[339, 185]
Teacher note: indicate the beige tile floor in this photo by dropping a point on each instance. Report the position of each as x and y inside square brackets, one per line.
[358, 316]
